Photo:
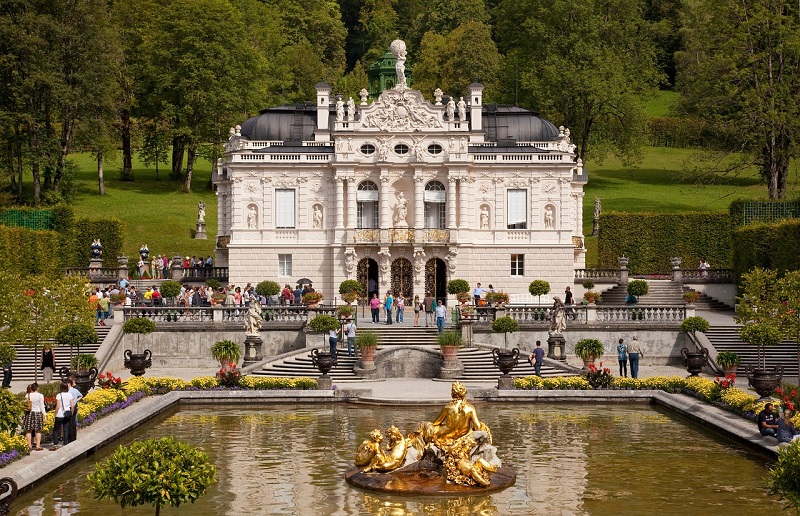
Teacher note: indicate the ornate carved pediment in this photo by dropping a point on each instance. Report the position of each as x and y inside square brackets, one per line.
[401, 109]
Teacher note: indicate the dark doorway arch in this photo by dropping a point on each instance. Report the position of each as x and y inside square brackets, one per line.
[436, 279]
[368, 276]
[402, 277]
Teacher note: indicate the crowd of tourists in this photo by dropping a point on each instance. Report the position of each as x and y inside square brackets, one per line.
[160, 266]
[66, 407]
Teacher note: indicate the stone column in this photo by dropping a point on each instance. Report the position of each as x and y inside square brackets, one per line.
[623, 270]
[451, 203]
[386, 220]
[339, 203]
[677, 275]
[351, 202]
[419, 199]
[462, 203]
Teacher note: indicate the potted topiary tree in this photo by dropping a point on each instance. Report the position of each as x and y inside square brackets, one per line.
[539, 288]
[170, 289]
[690, 296]
[694, 360]
[351, 290]
[268, 289]
[449, 341]
[367, 342]
[589, 350]
[158, 472]
[138, 362]
[728, 361]
[312, 299]
[345, 311]
[77, 335]
[227, 353]
[459, 288]
[505, 325]
[323, 323]
[637, 288]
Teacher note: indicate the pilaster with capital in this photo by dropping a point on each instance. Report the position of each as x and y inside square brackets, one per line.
[579, 214]
[419, 194]
[386, 220]
[451, 202]
[351, 202]
[462, 203]
[339, 202]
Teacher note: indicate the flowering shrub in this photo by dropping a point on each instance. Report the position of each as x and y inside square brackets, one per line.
[727, 382]
[598, 377]
[108, 381]
[229, 377]
[12, 447]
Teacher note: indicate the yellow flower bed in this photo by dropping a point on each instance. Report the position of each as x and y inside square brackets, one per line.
[268, 383]
[205, 382]
[98, 399]
[557, 383]
[10, 442]
[703, 386]
[144, 384]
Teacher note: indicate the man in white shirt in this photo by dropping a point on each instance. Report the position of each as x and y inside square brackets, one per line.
[477, 292]
[77, 396]
[350, 335]
[441, 313]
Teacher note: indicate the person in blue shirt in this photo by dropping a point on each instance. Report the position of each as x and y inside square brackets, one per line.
[622, 356]
[537, 358]
[388, 305]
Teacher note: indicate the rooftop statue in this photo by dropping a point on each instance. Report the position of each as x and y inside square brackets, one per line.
[398, 49]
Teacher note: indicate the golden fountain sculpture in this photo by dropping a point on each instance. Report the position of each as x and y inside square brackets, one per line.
[456, 444]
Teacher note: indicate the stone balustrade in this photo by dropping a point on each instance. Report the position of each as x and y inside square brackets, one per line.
[202, 274]
[597, 275]
[535, 315]
[213, 315]
[706, 276]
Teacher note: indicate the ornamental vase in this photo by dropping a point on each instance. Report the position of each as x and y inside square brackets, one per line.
[138, 362]
[764, 381]
[84, 380]
[323, 361]
[694, 361]
[505, 360]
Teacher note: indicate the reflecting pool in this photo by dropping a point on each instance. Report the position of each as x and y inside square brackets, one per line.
[570, 459]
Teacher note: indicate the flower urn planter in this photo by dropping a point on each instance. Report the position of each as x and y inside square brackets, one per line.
[84, 380]
[588, 361]
[730, 369]
[694, 361]
[323, 361]
[764, 381]
[367, 354]
[505, 360]
[138, 362]
[449, 353]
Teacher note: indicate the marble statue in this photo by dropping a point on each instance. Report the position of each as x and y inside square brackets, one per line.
[350, 259]
[596, 221]
[484, 217]
[317, 219]
[398, 49]
[201, 212]
[253, 321]
[97, 248]
[383, 149]
[351, 110]
[450, 110]
[363, 94]
[549, 218]
[450, 259]
[462, 109]
[437, 96]
[385, 259]
[401, 211]
[558, 317]
[252, 217]
[339, 110]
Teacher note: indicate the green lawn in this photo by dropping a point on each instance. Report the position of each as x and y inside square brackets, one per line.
[661, 104]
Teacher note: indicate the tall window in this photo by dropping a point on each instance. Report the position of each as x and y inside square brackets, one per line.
[435, 205]
[517, 216]
[367, 204]
[517, 264]
[284, 208]
[284, 265]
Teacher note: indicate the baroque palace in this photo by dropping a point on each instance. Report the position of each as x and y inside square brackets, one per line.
[400, 193]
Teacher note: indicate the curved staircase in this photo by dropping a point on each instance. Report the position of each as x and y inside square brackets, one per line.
[27, 362]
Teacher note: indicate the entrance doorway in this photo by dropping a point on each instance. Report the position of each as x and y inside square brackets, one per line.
[402, 277]
[367, 275]
[436, 279]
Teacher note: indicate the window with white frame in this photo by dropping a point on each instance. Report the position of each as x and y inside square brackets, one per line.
[284, 265]
[367, 205]
[517, 211]
[435, 205]
[517, 264]
[284, 208]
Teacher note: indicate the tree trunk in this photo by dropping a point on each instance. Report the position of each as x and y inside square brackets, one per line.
[34, 145]
[101, 187]
[127, 158]
[11, 168]
[19, 163]
[48, 133]
[67, 130]
[178, 144]
[190, 156]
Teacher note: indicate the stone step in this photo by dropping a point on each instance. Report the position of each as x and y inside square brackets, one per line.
[726, 338]
[27, 362]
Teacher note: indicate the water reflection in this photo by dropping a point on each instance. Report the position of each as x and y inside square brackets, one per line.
[570, 459]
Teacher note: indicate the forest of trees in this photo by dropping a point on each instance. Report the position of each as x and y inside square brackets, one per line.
[167, 78]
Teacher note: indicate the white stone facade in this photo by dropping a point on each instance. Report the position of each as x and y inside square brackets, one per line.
[400, 193]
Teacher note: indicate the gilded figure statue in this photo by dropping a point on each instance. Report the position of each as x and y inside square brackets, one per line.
[369, 449]
[388, 459]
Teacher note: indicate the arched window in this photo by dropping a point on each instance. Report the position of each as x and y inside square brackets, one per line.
[435, 205]
[367, 203]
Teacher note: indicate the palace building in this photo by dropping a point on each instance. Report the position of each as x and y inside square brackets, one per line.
[400, 193]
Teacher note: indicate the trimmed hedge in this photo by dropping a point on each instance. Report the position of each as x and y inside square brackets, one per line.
[26, 251]
[650, 239]
[78, 239]
[770, 246]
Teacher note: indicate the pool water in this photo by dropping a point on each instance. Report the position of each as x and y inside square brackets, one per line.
[569, 458]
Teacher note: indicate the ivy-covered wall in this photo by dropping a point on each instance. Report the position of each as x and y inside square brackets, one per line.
[649, 240]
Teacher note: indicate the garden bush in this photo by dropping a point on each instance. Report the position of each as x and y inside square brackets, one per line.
[769, 246]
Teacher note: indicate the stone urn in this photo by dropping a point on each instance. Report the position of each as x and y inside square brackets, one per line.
[8, 492]
[694, 361]
[764, 381]
[588, 361]
[138, 362]
[505, 360]
[323, 361]
[84, 380]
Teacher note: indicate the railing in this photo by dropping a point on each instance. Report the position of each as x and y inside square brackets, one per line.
[111, 273]
[366, 236]
[401, 236]
[284, 158]
[434, 236]
[637, 313]
[224, 314]
[603, 275]
[581, 314]
[707, 275]
[204, 273]
[170, 314]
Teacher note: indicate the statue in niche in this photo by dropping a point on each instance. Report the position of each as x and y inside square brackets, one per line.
[201, 212]
[351, 110]
[386, 259]
[398, 48]
[339, 110]
[350, 259]
[451, 109]
[383, 150]
[484, 217]
[252, 217]
[450, 259]
[317, 218]
[363, 94]
[549, 218]
[401, 211]
[462, 109]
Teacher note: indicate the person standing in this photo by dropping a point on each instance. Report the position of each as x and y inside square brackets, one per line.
[388, 304]
[537, 358]
[477, 292]
[7, 374]
[568, 302]
[375, 308]
[417, 308]
[622, 356]
[48, 364]
[333, 340]
[298, 296]
[767, 422]
[33, 423]
[634, 354]
[350, 335]
[64, 402]
[429, 307]
[77, 396]
[441, 313]
[400, 304]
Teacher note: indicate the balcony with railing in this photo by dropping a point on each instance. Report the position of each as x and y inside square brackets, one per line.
[399, 236]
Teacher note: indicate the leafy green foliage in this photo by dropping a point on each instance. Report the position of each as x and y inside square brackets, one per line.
[139, 326]
[586, 347]
[366, 339]
[11, 410]
[728, 359]
[76, 334]
[457, 286]
[650, 239]
[170, 288]
[638, 287]
[695, 324]
[157, 472]
[8, 353]
[214, 284]
[449, 338]
[268, 288]
[83, 362]
[758, 310]
[324, 323]
[539, 287]
[588, 284]
[226, 351]
[505, 325]
[351, 286]
[784, 476]
[771, 246]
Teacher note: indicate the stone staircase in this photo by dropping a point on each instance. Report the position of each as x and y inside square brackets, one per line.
[705, 302]
[27, 362]
[478, 365]
[726, 338]
[661, 292]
